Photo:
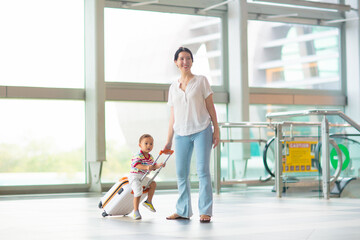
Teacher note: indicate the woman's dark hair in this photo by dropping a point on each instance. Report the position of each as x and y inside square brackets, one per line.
[182, 49]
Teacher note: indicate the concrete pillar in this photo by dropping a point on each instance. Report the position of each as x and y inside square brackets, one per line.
[238, 62]
[238, 107]
[352, 87]
[95, 91]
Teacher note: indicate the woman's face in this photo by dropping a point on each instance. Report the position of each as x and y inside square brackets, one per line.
[184, 62]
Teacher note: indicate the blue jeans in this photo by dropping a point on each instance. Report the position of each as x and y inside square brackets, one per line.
[184, 145]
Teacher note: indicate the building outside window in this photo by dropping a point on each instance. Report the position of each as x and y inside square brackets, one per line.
[140, 45]
[293, 56]
[42, 142]
[39, 46]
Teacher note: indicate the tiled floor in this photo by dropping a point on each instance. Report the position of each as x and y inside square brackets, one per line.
[241, 214]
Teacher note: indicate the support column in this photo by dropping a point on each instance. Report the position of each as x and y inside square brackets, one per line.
[95, 92]
[352, 35]
[238, 107]
[238, 62]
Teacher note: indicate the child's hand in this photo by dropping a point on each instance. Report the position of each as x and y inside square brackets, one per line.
[150, 168]
[162, 164]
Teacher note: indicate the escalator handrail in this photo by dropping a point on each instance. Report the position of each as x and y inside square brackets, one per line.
[340, 160]
[268, 143]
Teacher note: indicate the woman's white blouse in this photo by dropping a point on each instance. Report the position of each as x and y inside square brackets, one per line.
[190, 112]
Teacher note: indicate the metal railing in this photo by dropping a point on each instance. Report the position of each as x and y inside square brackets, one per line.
[277, 127]
[217, 164]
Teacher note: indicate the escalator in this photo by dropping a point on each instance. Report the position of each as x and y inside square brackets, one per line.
[345, 182]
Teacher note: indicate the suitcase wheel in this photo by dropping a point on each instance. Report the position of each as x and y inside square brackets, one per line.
[104, 214]
[100, 204]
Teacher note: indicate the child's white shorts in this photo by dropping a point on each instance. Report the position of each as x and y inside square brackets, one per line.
[136, 184]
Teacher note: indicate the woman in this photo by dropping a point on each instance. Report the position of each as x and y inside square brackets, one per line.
[192, 111]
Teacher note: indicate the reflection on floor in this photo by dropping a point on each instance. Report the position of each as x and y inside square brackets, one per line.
[238, 214]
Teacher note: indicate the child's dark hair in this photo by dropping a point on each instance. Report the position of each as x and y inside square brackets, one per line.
[183, 49]
[145, 136]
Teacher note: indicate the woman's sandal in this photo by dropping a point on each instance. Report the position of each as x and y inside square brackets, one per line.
[176, 217]
[205, 218]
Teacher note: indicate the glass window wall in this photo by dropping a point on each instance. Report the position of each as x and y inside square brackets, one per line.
[140, 45]
[42, 142]
[42, 43]
[293, 56]
[125, 123]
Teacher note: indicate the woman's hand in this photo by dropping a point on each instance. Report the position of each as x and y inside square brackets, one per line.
[168, 146]
[216, 137]
[211, 109]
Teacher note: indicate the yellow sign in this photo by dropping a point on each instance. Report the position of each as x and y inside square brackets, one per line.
[298, 156]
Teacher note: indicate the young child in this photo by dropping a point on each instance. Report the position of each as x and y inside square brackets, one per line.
[140, 164]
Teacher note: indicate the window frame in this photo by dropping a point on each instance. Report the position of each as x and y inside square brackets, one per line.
[315, 17]
[122, 91]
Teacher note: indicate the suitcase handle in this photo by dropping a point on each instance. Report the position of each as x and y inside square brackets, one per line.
[166, 151]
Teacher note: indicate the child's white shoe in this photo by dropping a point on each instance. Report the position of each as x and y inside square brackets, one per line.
[137, 215]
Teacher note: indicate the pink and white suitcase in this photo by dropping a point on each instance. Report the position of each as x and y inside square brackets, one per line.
[119, 199]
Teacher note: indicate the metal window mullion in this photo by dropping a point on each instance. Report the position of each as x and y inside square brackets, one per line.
[42, 93]
[342, 64]
[167, 8]
[95, 92]
[312, 4]
[268, 10]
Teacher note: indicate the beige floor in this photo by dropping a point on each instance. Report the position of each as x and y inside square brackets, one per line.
[241, 214]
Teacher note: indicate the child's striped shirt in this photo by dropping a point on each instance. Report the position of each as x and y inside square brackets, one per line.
[140, 159]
